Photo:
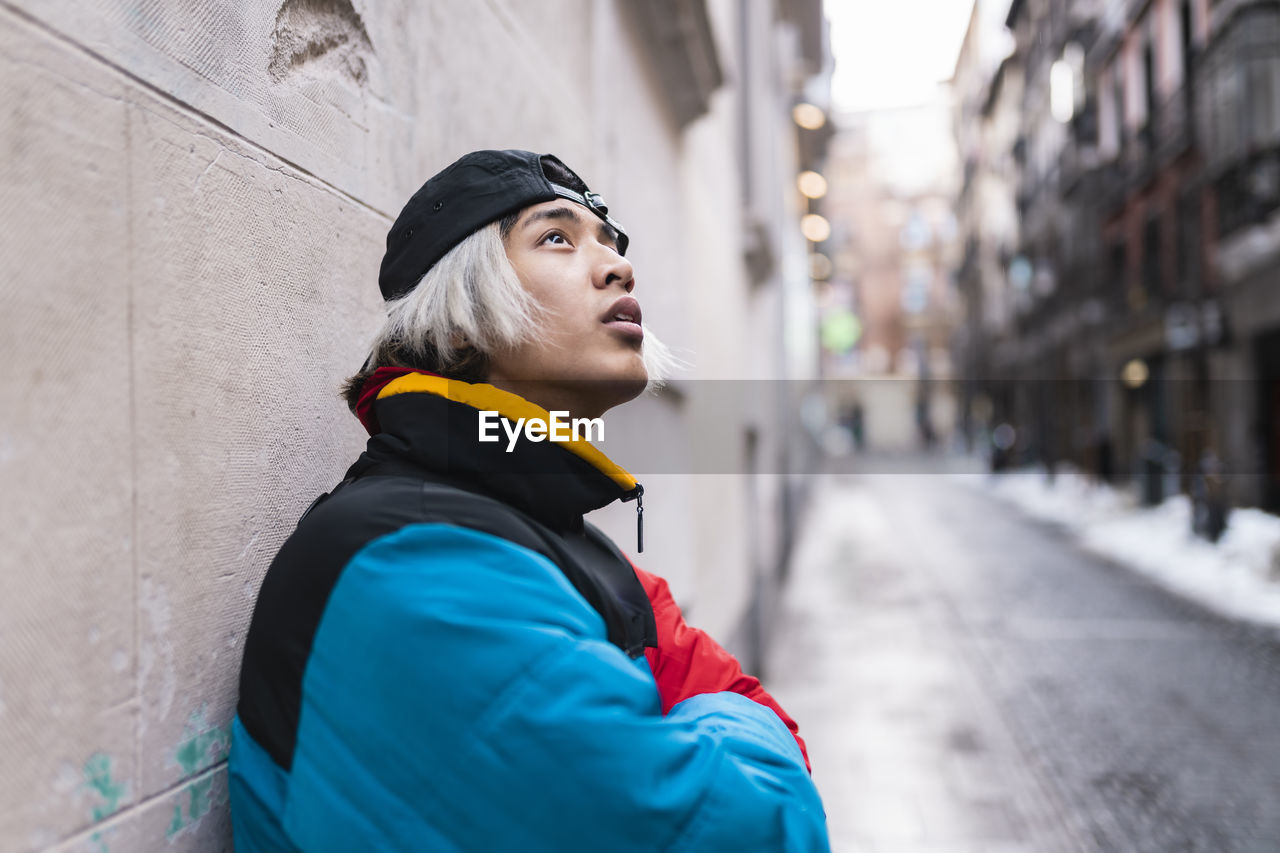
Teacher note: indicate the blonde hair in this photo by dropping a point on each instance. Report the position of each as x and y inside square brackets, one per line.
[468, 305]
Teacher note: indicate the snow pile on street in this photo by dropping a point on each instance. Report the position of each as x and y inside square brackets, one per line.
[1239, 576]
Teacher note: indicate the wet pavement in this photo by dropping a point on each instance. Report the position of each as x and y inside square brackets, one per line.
[969, 680]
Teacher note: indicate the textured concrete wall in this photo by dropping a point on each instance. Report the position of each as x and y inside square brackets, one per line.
[195, 197]
[178, 309]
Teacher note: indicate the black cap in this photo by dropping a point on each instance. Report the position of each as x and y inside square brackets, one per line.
[478, 188]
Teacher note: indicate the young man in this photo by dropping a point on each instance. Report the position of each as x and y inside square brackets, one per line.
[444, 655]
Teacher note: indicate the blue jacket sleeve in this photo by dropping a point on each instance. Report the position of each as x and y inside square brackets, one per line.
[461, 695]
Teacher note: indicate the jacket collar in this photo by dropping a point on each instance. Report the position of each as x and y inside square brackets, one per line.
[434, 423]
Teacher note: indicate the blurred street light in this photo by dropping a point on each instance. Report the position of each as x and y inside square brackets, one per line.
[808, 116]
[811, 184]
[841, 331]
[1135, 373]
[819, 267]
[815, 228]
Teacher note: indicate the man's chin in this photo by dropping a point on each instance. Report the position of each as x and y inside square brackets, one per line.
[631, 388]
[613, 391]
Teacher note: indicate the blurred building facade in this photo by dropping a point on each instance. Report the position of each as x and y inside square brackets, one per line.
[986, 113]
[197, 197]
[892, 175]
[1142, 290]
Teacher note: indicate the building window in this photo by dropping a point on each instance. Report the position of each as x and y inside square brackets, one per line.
[1187, 248]
[1226, 118]
[1263, 89]
[1116, 266]
[1151, 278]
[1188, 44]
[1149, 91]
[1108, 130]
[1118, 100]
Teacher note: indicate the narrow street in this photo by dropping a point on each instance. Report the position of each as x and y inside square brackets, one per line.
[968, 680]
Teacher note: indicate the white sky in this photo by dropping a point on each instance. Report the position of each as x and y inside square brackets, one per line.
[892, 53]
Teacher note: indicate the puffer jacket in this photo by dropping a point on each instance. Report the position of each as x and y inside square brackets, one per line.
[445, 656]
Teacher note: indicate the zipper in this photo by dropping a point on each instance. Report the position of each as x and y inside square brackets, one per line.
[637, 495]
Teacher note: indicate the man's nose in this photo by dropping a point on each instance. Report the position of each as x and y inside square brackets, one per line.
[614, 270]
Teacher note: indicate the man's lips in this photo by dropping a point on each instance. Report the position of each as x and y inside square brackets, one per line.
[624, 316]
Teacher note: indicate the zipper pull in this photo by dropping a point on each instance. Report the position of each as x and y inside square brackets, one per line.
[637, 494]
[640, 520]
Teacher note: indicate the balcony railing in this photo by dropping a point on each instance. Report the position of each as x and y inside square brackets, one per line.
[1174, 125]
[1137, 158]
[1111, 185]
[1168, 133]
[1249, 191]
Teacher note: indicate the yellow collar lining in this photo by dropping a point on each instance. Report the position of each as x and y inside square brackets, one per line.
[488, 398]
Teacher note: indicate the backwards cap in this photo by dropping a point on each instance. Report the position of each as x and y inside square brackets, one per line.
[478, 188]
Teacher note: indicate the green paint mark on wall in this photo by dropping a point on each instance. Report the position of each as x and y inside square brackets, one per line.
[201, 802]
[198, 797]
[177, 824]
[202, 746]
[97, 776]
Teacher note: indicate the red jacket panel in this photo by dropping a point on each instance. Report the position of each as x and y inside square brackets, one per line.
[688, 661]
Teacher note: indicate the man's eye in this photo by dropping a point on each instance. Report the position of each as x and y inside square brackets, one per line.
[556, 238]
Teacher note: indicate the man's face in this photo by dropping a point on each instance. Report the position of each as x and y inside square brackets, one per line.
[586, 358]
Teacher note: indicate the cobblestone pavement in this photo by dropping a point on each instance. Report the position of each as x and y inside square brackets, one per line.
[967, 680]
